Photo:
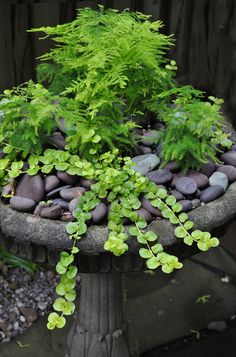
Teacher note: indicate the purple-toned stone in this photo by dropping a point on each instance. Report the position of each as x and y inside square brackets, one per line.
[161, 176]
[62, 203]
[186, 205]
[51, 182]
[233, 147]
[200, 179]
[142, 212]
[176, 176]
[87, 182]
[22, 204]
[9, 188]
[99, 213]
[2, 155]
[172, 166]
[69, 193]
[68, 179]
[144, 149]
[229, 171]
[196, 203]
[56, 192]
[229, 158]
[146, 204]
[52, 212]
[186, 186]
[177, 195]
[67, 217]
[31, 187]
[38, 209]
[159, 126]
[208, 169]
[73, 204]
[211, 193]
[57, 140]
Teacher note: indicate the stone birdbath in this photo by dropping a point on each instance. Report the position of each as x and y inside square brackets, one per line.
[101, 327]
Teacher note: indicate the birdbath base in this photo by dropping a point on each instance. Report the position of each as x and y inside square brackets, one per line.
[101, 328]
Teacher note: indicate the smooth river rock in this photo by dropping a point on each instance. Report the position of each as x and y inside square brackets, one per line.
[146, 204]
[229, 171]
[219, 178]
[57, 140]
[51, 182]
[62, 203]
[142, 212]
[200, 179]
[99, 213]
[186, 205]
[31, 187]
[145, 163]
[68, 179]
[22, 204]
[56, 191]
[73, 204]
[208, 169]
[211, 193]
[186, 186]
[196, 203]
[177, 195]
[229, 158]
[86, 182]
[69, 193]
[161, 176]
[52, 212]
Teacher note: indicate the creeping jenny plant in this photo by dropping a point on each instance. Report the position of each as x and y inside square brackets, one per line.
[107, 68]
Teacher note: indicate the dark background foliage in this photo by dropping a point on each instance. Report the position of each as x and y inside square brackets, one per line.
[205, 32]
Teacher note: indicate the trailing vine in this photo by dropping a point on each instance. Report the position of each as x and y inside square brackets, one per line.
[122, 186]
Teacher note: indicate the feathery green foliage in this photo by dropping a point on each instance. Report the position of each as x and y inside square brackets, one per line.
[194, 129]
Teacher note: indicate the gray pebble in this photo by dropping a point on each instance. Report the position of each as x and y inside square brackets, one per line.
[68, 179]
[219, 178]
[145, 163]
[60, 202]
[73, 204]
[53, 212]
[56, 191]
[69, 193]
[229, 171]
[211, 193]
[186, 186]
[99, 213]
[51, 182]
[31, 187]
[142, 212]
[161, 176]
[186, 205]
[229, 158]
[146, 204]
[22, 204]
[196, 203]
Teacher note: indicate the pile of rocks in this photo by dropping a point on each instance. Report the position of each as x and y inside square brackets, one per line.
[55, 196]
[23, 299]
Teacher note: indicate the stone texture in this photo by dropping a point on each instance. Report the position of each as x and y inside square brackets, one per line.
[229, 171]
[145, 163]
[22, 204]
[31, 187]
[186, 186]
[217, 326]
[144, 150]
[229, 158]
[51, 182]
[200, 179]
[69, 193]
[172, 166]
[211, 193]
[142, 212]
[73, 204]
[150, 137]
[196, 203]
[26, 228]
[220, 179]
[62, 203]
[57, 140]
[68, 179]
[86, 182]
[208, 169]
[147, 205]
[177, 195]
[186, 205]
[161, 176]
[56, 191]
[99, 213]
[53, 212]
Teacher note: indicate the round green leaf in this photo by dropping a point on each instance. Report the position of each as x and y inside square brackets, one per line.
[180, 232]
[153, 263]
[145, 253]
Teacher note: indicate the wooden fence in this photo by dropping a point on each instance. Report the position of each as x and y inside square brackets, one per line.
[205, 32]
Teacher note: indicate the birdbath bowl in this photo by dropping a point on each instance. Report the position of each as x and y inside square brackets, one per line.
[101, 328]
